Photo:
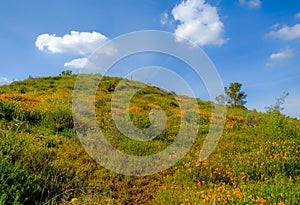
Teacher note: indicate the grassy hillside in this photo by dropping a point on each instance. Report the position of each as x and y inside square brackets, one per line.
[257, 160]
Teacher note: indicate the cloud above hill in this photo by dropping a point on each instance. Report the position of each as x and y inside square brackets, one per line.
[277, 58]
[75, 43]
[82, 43]
[76, 63]
[286, 33]
[282, 54]
[198, 22]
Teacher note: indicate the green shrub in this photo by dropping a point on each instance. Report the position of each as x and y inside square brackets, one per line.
[11, 111]
[62, 121]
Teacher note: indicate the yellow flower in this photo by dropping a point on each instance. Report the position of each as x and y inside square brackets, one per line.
[73, 200]
[262, 200]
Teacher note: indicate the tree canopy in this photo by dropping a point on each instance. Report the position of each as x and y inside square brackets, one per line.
[233, 96]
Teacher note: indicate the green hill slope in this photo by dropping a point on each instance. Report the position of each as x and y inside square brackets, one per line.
[43, 162]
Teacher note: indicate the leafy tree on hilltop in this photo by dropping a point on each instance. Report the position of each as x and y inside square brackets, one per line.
[66, 72]
[233, 96]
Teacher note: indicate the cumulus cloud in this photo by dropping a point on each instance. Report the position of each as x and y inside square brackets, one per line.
[76, 63]
[199, 22]
[4, 80]
[297, 16]
[276, 58]
[82, 43]
[282, 54]
[286, 33]
[254, 4]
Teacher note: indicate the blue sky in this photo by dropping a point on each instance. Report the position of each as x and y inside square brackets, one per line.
[254, 42]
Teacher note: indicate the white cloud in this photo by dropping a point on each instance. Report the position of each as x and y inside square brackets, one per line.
[297, 16]
[282, 54]
[82, 43]
[76, 63]
[199, 22]
[275, 26]
[254, 4]
[286, 33]
[164, 18]
[4, 80]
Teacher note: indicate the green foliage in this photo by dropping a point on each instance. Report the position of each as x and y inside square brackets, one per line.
[62, 120]
[66, 72]
[234, 96]
[12, 110]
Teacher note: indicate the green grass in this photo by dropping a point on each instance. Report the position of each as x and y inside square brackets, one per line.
[257, 160]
